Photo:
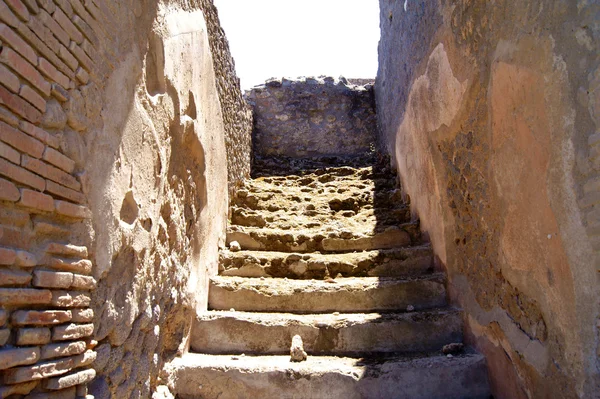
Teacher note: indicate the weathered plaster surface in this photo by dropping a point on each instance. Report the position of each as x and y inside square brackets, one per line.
[490, 123]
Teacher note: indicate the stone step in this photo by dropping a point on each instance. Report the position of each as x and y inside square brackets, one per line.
[198, 376]
[315, 240]
[351, 334]
[398, 262]
[349, 295]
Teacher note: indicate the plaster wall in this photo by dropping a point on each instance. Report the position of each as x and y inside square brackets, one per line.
[489, 112]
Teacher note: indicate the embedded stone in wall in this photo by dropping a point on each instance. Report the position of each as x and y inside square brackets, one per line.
[312, 116]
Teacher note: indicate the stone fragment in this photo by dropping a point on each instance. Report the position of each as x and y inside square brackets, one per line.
[67, 381]
[83, 282]
[297, 353]
[33, 336]
[40, 317]
[72, 331]
[453, 348]
[234, 246]
[18, 357]
[63, 349]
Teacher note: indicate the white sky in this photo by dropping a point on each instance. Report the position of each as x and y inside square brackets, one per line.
[275, 38]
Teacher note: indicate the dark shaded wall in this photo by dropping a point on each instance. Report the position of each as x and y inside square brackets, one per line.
[491, 113]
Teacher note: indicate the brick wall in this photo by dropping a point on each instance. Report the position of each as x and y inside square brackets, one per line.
[46, 57]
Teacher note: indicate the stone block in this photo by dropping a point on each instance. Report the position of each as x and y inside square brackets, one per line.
[38, 371]
[82, 315]
[24, 296]
[70, 299]
[10, 277]
[72, 331]
[7, 256]
[18, 357]
[63, 349]
[48, 279]
[8, 191]
[59, 160]
[61, 94]
[70, 380]
[40, 317]
[33, 336]
[21, 141]
[83, 282]
[85, 359]
[36, 200]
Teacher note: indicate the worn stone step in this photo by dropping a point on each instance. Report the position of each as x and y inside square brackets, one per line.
[350, 295]
[352, 334]
[198, 376]
[308, 240]
[398, 262]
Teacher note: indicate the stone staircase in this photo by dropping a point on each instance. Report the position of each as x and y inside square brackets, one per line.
[325, 248]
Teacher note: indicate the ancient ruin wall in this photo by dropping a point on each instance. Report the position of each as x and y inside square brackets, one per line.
[341, 117]
[490, 111]
[114, 149]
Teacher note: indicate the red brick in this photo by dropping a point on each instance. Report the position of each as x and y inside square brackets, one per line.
[7, 15]
[18, 357]
[19, 9]
[7, 256]
[7, 35]
[71, 210]
[51, 72]
[67, 250]
[58, 92]
[67, 57]
[8, 117]
[19, 389]
[81, 56]
[25, 69]
[32, 6]
[82, 75]
[59, 160]
[36, 200]
[7, 152]
[14, 217]
[39, 134]
[63, 192]
[86, 29]
[65, 5]
[63, 349]
[38, 371]
[40, 317]
[91, 7]
[71, 380]
[24, 296]
[34, 99]
[50, 172]
[33, 336]
[19, 106]
[83, 266]
[25, 259]
[14, 237]
[70, 299]
[4, 337]
[82, 315]
[3, 317]
[9, 79]
[67, 25]
[48, 279]
[14, 277]
[43, 40]
[8, 191]
[21, 141]
[47, 5]
[59, 32]
[51, 230]
[21, 175]
[72, 331]
[80, 282]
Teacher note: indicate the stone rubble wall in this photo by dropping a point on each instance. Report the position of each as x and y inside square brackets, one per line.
[312, 116]
[114, 173]
[490, 112]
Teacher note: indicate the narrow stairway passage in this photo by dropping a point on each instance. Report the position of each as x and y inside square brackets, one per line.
[325, 248]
